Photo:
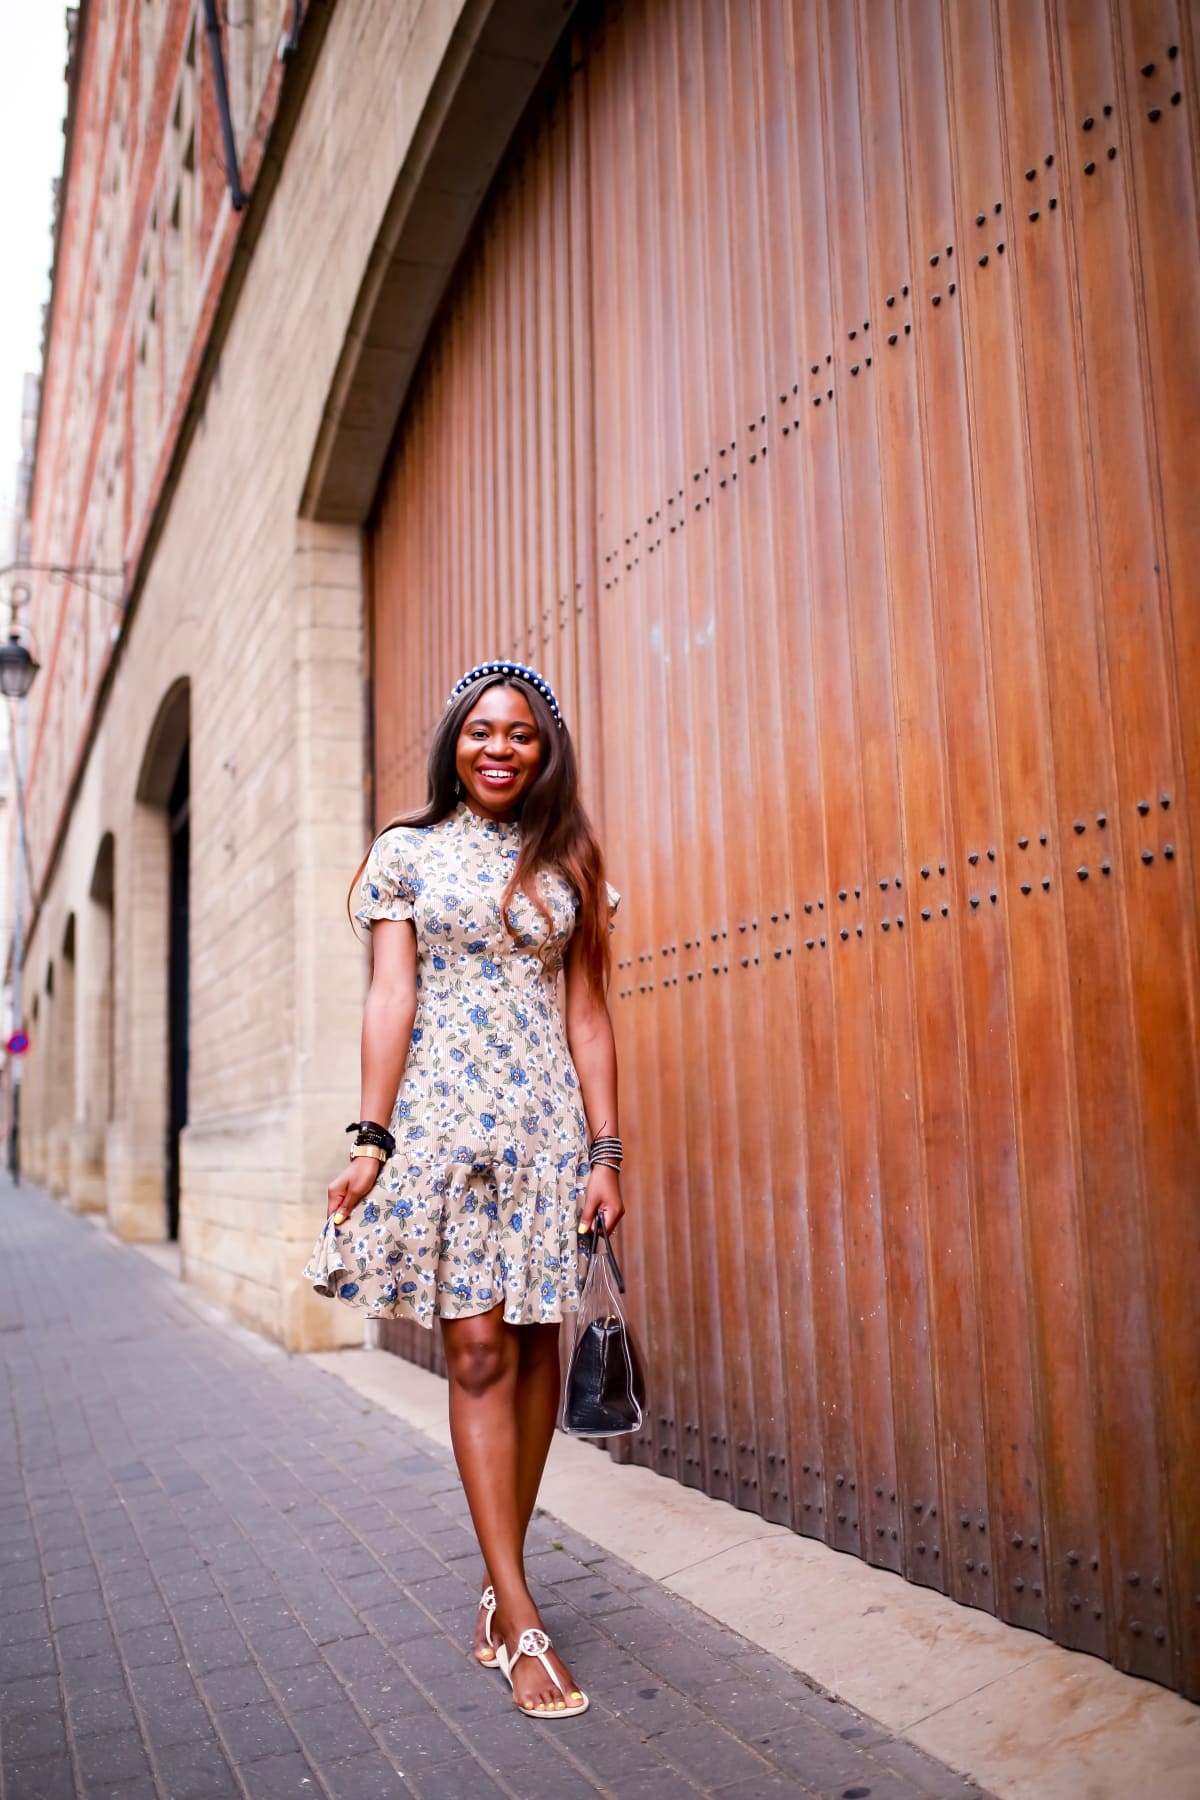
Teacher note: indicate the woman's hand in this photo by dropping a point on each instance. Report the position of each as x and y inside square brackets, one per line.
[352, 1185]
[603, 1195]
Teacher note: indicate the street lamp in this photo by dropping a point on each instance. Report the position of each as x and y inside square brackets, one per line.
[17, 666]
[17, 670]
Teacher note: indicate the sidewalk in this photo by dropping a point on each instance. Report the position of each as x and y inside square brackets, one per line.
[224, 1573]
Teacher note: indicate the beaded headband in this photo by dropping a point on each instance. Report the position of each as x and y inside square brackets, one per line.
[482, 670]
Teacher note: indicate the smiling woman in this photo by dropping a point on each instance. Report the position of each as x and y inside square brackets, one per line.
[467, 1205]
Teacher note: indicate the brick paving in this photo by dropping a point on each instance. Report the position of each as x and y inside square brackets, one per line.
[223, 1573]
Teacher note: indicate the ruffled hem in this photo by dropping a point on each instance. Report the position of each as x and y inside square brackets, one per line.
[456, 1241]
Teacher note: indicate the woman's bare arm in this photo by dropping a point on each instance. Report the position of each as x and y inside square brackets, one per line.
[594, 1053]
[386, 1034]
[388, 1016]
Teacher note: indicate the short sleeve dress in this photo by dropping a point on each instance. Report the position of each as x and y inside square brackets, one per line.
[479, 1206]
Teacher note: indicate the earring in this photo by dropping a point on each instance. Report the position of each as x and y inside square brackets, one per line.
[457, 787]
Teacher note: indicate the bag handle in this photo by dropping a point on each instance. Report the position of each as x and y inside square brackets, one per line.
[587, 1242]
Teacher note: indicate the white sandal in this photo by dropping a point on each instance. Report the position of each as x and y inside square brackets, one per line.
[487, 1606]
[534, 1642]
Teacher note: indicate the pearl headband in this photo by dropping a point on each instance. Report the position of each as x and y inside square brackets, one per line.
[482, 670]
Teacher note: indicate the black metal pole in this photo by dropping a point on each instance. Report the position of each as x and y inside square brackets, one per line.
[217, 55]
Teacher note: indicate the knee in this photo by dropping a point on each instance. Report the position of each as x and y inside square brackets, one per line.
[479, 1364]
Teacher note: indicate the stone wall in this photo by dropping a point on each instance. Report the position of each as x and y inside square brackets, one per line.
[248, 635]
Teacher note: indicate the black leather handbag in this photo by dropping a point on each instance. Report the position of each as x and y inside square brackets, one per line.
[604, 1392]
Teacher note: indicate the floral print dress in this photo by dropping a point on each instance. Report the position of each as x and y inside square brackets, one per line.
[480, 1204]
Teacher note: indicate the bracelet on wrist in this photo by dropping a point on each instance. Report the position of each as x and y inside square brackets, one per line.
[375, 1151]
[606, 1152]
[369, 1132]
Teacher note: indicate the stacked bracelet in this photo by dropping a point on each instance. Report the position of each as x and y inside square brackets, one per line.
[368, 1132]
[606, 1153]
[375, 1151]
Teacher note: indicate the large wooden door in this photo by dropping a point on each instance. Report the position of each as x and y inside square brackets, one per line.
[813, 404]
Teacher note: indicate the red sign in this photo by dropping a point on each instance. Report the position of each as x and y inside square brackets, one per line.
[17, 1044]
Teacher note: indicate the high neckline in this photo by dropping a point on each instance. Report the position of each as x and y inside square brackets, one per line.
[468, 819]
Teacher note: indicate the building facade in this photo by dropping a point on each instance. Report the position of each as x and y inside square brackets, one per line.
[807, 389]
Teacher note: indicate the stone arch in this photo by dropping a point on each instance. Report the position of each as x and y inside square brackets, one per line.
[60, 1064]
[95, 1048]
[37, 1086]
[492, 65]
[141, 1146]
[165, 744]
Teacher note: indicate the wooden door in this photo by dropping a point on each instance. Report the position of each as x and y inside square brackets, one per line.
[813, 404]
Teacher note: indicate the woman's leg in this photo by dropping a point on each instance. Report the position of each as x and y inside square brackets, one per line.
[537, 1402]
[483, 1357]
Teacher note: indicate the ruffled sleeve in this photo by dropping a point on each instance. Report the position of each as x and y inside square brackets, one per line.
[614, 900]
[389, 884]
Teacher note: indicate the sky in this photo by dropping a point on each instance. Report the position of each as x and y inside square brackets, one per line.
[33, 54]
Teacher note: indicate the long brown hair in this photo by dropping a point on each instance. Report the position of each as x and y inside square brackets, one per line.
[555, 830]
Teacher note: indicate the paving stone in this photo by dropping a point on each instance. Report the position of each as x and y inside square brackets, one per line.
[225, 1689]
[436, 1658]
[129, 1578]
[141, 1788]
[462, 1780]
[39, 1778]
[109, 1710]
[26, 1596]
[393, 1697]
[34, 1734]
[927, 1775]
[286, 1649]
[24, 1627]
[663, 1784]
[827, 1763]
[113, 1756]
[60, 1559]
[759, 1786]
[196, 1772]
[254, 1581]
[151, 1645]
[254, 1731]
[644, 1687]
[398, 1621]
[209, 1651]
[331, 1733]
[177, 1719]
[138, 1610]
[279, 1778]
[93, 1638]
[369, 1777]
[310, 1685]
[750, 1710]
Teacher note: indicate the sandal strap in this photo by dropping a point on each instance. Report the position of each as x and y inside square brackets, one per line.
[487, 1603]
[534, 1642]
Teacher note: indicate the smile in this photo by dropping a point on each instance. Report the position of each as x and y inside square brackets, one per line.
[497, 775]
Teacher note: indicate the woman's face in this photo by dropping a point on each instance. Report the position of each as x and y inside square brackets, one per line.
[498, 753]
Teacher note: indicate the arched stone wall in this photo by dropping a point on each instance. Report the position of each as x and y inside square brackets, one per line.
[137, 1134]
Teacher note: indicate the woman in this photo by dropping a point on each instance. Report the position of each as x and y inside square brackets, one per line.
[500, 1142]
